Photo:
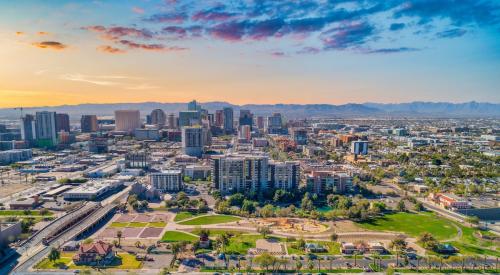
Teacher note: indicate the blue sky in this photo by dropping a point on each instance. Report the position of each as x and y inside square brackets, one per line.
[249, 51]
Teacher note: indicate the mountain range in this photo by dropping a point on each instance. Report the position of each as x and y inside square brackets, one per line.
[351, 110]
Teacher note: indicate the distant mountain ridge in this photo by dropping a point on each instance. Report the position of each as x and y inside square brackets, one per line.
[350, 110]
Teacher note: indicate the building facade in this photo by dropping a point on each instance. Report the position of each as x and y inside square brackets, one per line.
[242, 174]
[62, 123]
[228, 120]
[127, 120]
[88, 123]
[192, 141]
[167, 180]
[158, 118]
[284, 175]
[46, 133]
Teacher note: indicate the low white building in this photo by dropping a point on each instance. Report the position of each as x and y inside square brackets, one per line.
[92, 190]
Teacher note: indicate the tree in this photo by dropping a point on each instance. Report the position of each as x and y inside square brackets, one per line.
[222, 240]
[119, 237]
[267, 211]
[264, 231]
[398, 244]
[98, 259]
[419, 207]
[204, 233]
[265, 260]
[54, 254]
[401, 207]
[236, 199]
[248, 206]
[334, 237]
[428, 241]
[306, 204]
[298, 265]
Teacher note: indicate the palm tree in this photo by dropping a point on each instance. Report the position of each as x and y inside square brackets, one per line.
[418, 262]
[298, 264]
[310, 265]
[376, 257]
[356, 258]
[319, 263]
[54, 254]
[119, 237]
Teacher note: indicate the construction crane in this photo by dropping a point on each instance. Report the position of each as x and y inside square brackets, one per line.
[20, 109]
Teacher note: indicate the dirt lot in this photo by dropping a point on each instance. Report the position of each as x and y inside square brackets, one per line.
[9, 189]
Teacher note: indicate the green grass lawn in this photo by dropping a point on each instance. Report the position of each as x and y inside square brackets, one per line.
[137, 224]
[332, 247]
[413, 224]
[441, 228]
[64, 261]
[241, 243]
[157, 224]
[22, 213]
[211, 219]
[217, 232]
[471, 245]
[119, 224]
[178, 236]
[122, 261]
[184, 215]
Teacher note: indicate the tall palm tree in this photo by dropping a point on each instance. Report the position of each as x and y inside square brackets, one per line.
[119, 237]
[356, 258]
[298, 264]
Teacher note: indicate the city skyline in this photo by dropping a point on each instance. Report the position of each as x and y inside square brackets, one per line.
[263, 52]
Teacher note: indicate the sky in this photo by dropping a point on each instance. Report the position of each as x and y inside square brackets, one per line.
[248, 51]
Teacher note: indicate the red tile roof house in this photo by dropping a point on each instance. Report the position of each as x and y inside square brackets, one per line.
[88, 253]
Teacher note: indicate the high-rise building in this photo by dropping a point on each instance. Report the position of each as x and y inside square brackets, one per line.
[46, 134]
[88, 123]
[359, 147]
[211, 119]
[246, 118]
[137, 160]
[260, 122]
[228, 120]
[219, 118]
[324, 182]
[127, 120]
[240, 173]
[172, 121]
[284, 175]
[167, 180]
[193, 106]
[189, 118]
[62, 123]
[245, 132]
[28, 129]
[274, 124]
[192, 141]
[299, 135]
[158, 118]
